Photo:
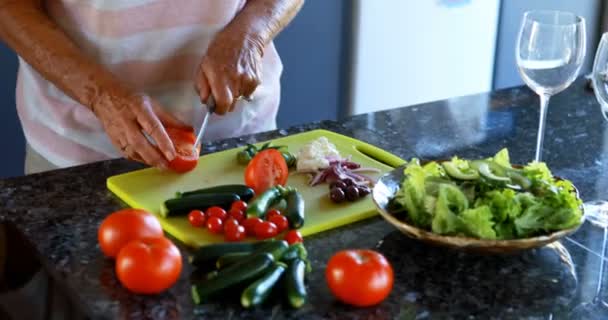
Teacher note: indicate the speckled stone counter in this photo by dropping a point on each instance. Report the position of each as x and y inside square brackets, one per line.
[59, 213]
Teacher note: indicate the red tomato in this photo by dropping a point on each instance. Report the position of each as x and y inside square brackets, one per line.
[237, 214]
[280, 221]
[359, 277]
[148, 266]
[294, 236]
[197, 218]
[250, 224]
[215, 225]
[124, 226]
[271, 213]
[235, 233]
[217, 212]
[230, 223]
[265, 230]
[239, 205]
[266, 169]
[186, 156]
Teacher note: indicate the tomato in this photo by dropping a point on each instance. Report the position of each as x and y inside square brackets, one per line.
[250, 224]
[217, 212]
[265, 230]
[239, 205]
[148, 266]
[215, 225]
[280, 221]
[359, 277]
[124, 226]
[197, 218]
[234, 232]
[237, 214]
[266, 169]
[186, 156]
[294, 236]
[271, 213]
[230, 223]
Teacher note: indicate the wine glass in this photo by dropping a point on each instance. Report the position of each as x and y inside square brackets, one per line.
[550, 51]
[596, 212]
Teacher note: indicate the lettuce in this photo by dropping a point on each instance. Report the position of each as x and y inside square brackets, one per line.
[502, 158]
[478, 223]
[450, 203]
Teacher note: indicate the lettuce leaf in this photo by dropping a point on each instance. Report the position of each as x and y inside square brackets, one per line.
[502, 158]
[478, 223]
[502, 203]
[450, 203]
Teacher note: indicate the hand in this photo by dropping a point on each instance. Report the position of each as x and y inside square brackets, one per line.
[126, 118]
[231, 68]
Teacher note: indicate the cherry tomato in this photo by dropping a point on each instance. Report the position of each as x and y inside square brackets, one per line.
[197, 218]
[230, 223]
[148, 266]
[124, 226]
[239, 205]
[294, 236]
[266, 169]
[217, 212]
[186, 157]
[215, 225]
[265, 230]
[235, 233]
[280, 221]
[271, 213]
[237, 214]
[250, 224]
[359, 277]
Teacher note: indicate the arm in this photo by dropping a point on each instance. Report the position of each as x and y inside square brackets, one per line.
[27, 29]
[232, 65]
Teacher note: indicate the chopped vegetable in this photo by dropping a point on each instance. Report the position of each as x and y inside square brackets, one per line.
[487, 199]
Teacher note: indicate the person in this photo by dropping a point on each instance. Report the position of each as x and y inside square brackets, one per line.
[102, 78]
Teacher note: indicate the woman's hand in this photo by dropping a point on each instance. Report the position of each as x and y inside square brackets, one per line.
[126, 119]
[231, 68]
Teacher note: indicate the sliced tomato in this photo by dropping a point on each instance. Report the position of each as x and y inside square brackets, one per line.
[267, 169]
[183, 141]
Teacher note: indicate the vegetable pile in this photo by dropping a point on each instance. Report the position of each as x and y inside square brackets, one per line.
[487, 199]
[255, 269]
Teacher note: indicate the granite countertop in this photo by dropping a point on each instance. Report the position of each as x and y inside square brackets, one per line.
[59, 212]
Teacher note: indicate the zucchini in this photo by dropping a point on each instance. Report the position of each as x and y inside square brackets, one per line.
[274, 247]
[258, 291]
[259, 206]
[295, 251]
[238, 273]
[183, 206]
[295, 210]
[209, 254]
[294, 283]
[241, 190]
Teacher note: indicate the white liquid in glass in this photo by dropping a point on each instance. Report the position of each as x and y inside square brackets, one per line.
[548, 77]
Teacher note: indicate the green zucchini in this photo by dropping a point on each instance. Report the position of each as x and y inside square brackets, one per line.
[275, 247]
[243, 191]
[294, 283]
[236, 274]
[295, 210]
[295, 251]
[256, 293]
[182, 206]
[259, 206]
[210, 253]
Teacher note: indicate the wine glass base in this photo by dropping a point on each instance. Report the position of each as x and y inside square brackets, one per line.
[596, 212]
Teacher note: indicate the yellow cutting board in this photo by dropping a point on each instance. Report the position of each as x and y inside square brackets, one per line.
[149, 188]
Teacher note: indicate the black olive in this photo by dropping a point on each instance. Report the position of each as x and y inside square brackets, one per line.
[352, 193]
[363, 191]
[348, 182]
[336, 195]
[337, 184]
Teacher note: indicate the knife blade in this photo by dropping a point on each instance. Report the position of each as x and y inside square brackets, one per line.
[210, 109]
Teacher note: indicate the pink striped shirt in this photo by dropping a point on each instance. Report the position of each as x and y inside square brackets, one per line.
[153, 45]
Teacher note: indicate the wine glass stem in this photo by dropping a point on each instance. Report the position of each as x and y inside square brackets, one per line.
[598, 291]
[544, 102]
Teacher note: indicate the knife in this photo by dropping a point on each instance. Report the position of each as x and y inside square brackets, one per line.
[210, 109]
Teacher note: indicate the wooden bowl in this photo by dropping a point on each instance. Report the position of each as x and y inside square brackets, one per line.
[388, 185]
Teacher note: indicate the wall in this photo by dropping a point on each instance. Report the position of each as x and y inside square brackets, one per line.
[10, 130]
[506, 74]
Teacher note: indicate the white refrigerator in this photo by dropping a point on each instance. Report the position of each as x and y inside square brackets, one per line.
[407, 52]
